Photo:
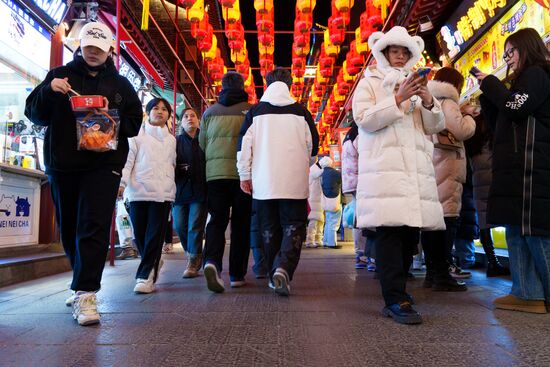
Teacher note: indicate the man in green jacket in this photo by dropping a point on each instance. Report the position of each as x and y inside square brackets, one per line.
[219, 132]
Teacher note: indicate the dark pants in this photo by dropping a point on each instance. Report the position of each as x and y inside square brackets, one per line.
[190, 220]
[169, 235]
[283, 229]
[222, 196]
[150, 220]
[395, 247]
[452, 224]
[435, 250]
[84, 205]
[256, 245]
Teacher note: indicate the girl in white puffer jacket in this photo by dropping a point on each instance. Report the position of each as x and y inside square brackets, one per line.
[316, 216]
[148, 181]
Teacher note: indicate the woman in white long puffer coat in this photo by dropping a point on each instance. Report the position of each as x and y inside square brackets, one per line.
[396, 190]
[450, 172]
[316, 217]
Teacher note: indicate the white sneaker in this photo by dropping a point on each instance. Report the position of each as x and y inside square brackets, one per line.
[85, 308]
[281, 282]
[237, 283]
[69, 301]
[144, 285]
[213, 280]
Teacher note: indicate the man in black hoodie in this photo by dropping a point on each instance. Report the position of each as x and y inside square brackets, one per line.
[84, 183]
[219, 131]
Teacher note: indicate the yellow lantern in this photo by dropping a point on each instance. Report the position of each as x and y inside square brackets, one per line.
[319, 77]
[211, 54]
[297, 80]
[263, 6]
[248, 81]
[306, 6]
[338, 97]
[383, 6]
[232, 14]
[343, 5]
[266, 50]
[330, 48]
[196, 12]
[361, 47]
[239, 56]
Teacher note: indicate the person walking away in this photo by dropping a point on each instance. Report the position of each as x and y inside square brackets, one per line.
[449, 160]
[148, 182]
[480, 155]
[84, 183]
[316, 216]
[331, 187]
[218, 137]
[256, 245]
[277, 144]
[350, 165]
[190, 210]
[519, 195]
[396, 188]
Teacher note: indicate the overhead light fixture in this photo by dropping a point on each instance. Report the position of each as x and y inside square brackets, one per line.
[425, 24]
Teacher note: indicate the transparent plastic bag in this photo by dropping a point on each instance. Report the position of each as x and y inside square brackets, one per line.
[123, 224]
[97, 131]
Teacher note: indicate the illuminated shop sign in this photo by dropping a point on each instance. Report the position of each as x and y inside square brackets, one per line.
[470, 19]
[129, 73]
[55, 9]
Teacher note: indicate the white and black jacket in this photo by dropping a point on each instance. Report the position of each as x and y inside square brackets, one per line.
[276, 143]
[520, 191]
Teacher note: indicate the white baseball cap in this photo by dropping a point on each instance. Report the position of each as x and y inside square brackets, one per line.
[96, 34]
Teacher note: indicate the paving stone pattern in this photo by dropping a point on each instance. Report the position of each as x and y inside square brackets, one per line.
[331, 319]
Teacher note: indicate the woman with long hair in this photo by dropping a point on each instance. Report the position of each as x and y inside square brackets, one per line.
[519, 197]
[148, 181]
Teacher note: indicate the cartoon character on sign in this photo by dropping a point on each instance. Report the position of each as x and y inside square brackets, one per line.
[5, 206]
[23, 207]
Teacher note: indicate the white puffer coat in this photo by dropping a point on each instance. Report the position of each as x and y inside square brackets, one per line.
[149, 171]
[315, 193]
[396, 183]
[450, 165]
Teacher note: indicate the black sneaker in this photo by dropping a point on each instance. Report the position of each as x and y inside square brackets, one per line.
[402, 313]
[449, 285]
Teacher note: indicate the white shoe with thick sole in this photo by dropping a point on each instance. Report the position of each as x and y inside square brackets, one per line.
[213, 280]
[144, 286]
[85, 308]
[70, 300]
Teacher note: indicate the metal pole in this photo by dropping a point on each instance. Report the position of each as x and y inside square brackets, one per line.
[174, 118]
[118, 25]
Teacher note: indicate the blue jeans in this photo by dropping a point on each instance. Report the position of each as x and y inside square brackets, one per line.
[332, 223]
[189, 220]
[465, 251]
[529, 264]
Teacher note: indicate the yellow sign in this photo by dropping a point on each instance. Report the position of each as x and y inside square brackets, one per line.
[476, 17]
[486, 54]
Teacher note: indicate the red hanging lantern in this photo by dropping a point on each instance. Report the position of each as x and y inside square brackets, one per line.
[186, 3]
[298, 71]
[336, 35]
[298, 61]
[243, 68]
[264, 21]
[301, 40]
[266, 38]
[266, 61]
[227, 3]
[370, 22]
[206, 43]
[303, 21]
[234, 31]
[201, 29]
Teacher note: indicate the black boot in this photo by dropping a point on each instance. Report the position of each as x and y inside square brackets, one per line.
[494, 268]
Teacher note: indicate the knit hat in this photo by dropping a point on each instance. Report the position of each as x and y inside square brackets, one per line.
[325, 162]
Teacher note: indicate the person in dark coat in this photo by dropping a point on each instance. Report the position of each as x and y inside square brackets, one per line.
[478, 150]
[190, 210]
[84, 183]
[519, 197]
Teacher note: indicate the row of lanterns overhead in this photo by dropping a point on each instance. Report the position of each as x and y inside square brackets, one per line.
[334, 36]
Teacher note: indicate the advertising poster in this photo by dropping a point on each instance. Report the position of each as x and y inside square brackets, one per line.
[486, 53]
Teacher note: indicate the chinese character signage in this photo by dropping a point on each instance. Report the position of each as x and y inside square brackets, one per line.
[51, 12]
[470, 19]
[129, 73]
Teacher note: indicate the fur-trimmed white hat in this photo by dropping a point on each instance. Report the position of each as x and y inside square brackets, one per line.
[397, 36]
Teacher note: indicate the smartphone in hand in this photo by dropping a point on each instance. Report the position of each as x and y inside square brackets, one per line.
[422, 72]
[473, 71]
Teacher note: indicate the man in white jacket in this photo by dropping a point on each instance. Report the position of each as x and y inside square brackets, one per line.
[276, 144]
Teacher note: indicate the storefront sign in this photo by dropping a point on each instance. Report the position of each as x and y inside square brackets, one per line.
[24, 43]
[486, 54]
[129, 73]
[472, 17]
[55, 9]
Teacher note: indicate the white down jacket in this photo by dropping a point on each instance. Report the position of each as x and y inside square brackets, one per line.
[450, 165]
[396, 182]
[315, 193]
[149, 171]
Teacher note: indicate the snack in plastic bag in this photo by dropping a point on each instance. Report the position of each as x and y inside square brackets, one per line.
[97, 131]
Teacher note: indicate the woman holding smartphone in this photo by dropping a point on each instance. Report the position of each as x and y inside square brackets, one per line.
[519, 197]
[396, 189]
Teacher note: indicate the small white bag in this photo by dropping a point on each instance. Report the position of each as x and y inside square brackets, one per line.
[123, 224]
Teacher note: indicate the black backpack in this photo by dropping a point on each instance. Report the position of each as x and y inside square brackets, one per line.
[331, 182]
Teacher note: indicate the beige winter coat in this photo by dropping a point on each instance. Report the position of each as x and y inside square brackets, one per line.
[450, 165]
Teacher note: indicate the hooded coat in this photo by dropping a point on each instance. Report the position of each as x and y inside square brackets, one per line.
[396, 181]
[315, 193]
[450, 165]
[276, 144]
[331, 186]
[45, 107]
[350, 162]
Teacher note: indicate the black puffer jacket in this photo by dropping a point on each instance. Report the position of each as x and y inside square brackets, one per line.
[190, 170]
[468, 229]
[520, 191]
[48, 108]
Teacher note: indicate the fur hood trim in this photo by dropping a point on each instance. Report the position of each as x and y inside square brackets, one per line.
[397, 36]
[443, 90]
